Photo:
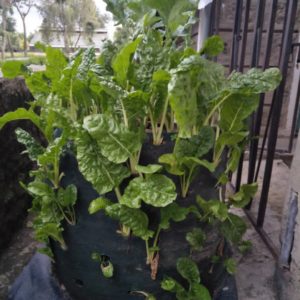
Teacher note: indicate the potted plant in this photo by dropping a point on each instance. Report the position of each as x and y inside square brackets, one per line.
[128, 192]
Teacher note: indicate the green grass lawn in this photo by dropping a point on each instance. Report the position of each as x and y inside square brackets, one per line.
[21, 55]
[33, 58]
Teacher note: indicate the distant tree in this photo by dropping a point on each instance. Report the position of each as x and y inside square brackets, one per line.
[23, 7]
[7, 27]
[4, 7]
[66, 16]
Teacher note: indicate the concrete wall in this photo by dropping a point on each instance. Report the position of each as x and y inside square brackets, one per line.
[295, 180]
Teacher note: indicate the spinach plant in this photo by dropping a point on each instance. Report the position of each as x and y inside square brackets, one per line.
[190, 272]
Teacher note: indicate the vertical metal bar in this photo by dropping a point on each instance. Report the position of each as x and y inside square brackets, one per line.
[236, 35]
[259, 114]
[264, 142]
[258, 33]
[278, 99]
[212, 19]
[245, 35]
[217, 17]
[255, 126]
[241, 68]
[283, 29]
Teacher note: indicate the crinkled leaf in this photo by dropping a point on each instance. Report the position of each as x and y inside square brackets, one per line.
[255, 81]
[194, 83]
[191, 162]
[118, 9]
[20, 114]
[33, 148]
[52, 230]
[149, 169]
[122, 61]
[87, 62]
[236, 109]
[215, 208]
[183, 100]
[99, 204]
[156, 190]
[55, 64]
[213, 46]
[244, 195]
[188, 270]
[234, 159]
[161, 76]
[115, 141]
[199, 291]
[106, 83]
[231, 138]
[245, 246]
[135, 105]
[171, 163]
[196, 238]
[46, 251]
[197, 145]
[159, 92]
[38, 84]
[52, 152]
[152, 55]
[67, 196]
[233, 228]
[172, 212]
[171, 285]
[132, 196]
[135, 219]
[230, 265]
[173, 12]
[103, 174]
[42, 190]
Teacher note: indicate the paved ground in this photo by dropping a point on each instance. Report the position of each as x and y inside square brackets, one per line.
[18, 254]
[258, 276]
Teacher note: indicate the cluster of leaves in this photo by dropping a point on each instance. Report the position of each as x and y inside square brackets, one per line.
[190, 272]
[103, 106]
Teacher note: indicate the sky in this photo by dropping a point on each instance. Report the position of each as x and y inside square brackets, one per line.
[34, 20]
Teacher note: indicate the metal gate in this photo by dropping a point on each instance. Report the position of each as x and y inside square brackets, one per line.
[262, 34]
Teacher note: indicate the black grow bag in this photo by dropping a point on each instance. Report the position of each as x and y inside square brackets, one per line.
[82, 276]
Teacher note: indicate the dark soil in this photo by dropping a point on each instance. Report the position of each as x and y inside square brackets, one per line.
[14, 166]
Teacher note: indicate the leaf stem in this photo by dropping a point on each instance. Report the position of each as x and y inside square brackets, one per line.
[163, 118]
[206, 122]
[118, 193]
[156, 236]
[72, 104]
[124, 114]
[147, 252]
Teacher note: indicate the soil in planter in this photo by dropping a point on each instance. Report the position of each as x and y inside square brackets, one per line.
[97, 233]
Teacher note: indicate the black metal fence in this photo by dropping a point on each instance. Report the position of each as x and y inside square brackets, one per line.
[262, 28]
